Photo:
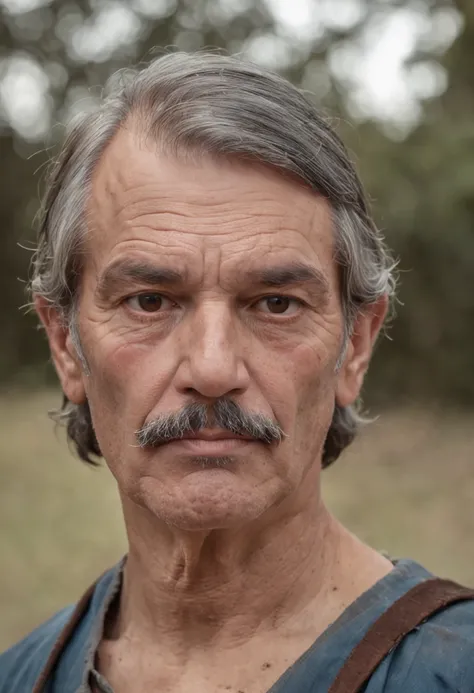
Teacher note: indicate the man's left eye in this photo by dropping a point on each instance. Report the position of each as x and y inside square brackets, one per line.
[148, 303]
[280, 305]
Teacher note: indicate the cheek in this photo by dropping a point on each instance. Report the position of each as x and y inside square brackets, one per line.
[124, 385]
[125, 381]
[310, 369]
[297, 382]
[315, 382]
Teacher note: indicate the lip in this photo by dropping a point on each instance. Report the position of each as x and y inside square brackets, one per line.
[211, 444]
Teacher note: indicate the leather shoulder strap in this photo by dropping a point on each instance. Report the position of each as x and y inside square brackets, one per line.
[63, 639]
[414, 607]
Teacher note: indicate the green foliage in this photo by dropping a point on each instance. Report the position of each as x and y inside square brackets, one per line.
[422, 185]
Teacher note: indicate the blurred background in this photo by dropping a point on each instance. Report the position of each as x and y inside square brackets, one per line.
[398, 77]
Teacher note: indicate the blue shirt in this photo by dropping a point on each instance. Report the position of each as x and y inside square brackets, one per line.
[436, 657]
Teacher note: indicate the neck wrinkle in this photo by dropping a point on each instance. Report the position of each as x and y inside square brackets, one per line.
[227, 586]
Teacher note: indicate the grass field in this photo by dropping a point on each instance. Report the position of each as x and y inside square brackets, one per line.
[407, 486]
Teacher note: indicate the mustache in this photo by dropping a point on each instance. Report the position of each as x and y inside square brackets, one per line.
[224, 413]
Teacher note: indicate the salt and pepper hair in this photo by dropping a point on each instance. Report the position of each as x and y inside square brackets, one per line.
[208, 104]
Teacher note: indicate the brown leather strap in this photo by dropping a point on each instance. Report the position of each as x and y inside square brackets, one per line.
[414, 607]
[63, 639]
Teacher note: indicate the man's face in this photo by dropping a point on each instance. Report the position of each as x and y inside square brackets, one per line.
[201, 283]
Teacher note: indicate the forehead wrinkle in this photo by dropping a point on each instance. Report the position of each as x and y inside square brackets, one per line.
[154, 171]
[144, 197]
[162, 214]
[166, 213]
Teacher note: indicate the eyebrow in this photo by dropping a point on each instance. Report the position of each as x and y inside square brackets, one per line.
[120, 274]
[291, 273]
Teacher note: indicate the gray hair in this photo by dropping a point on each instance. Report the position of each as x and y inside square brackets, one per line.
[210, 104]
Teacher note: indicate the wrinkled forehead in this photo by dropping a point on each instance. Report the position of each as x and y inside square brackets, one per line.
[140, 195]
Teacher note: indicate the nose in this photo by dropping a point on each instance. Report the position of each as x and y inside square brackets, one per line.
[212, 365]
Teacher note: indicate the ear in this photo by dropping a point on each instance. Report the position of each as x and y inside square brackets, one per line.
[350, 376]
[66, 360]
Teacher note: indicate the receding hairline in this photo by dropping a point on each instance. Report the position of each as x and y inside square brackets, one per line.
[137, 126]
[194, 157]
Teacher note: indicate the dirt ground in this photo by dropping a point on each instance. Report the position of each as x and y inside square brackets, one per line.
[406, 487]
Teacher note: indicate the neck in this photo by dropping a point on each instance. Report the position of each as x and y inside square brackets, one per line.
[227, 586]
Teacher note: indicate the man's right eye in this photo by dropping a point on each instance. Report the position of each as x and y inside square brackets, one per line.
[150, 302]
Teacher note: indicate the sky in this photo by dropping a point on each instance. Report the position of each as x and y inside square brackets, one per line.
[378, 82]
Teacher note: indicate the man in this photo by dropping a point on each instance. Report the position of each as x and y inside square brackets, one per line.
[212, 285]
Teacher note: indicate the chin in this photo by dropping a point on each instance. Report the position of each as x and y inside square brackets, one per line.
[203, 501]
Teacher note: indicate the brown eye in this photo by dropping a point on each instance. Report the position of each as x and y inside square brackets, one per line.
[148, 303]
[278, 304]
